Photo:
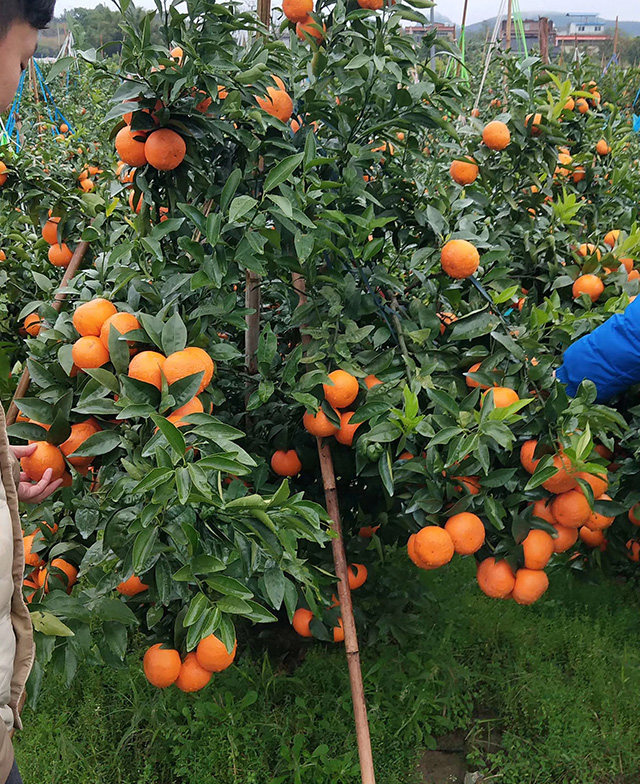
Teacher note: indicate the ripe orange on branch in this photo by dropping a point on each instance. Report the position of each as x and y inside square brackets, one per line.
[496, 135]
[434, 546]
[165, 149]
[529, 586]
[598, 521]
[466, 531]
[213, 655]
[50, 231]
[60, 255]
[564, 478]
[357, 574]
[343, 389]
[188, 362]
[571, 509]
[79, 434]
[566, 538]
[131, 587]
[277, 101]
[286, 463]
[502, 396]
[346, 432]
[192, 676]
[527, 451]
[130, 146]
[147, 366]
[495, 578]
[591, 285]
[464, 172]
[122, 323]
[319, 424]
[297, 10]
[179, 417]
[161, 666]
[309, 27]
[50, 581]
[538, 549]
[88, 352]
[89, 318]
[33, 324]
[459, 259]
[301, 620]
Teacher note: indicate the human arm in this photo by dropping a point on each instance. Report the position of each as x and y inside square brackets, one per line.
[609, 356]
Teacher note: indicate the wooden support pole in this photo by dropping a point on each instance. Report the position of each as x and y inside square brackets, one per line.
[252, 333]
[25, 379]
[543, 35]
[463, 27]
[348, 621]
[264, 12]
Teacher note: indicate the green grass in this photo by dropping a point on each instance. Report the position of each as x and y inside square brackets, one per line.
[559, 679]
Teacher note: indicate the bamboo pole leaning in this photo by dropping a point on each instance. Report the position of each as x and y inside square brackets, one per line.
[59, 298]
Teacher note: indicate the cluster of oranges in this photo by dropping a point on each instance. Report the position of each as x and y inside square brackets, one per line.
[60, 254]
[163, 149]
[59, 574]
[299, 12]
[357, 576]
[591, 284]
[163, 666]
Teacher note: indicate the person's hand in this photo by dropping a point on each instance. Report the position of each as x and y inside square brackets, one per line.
[34, 492]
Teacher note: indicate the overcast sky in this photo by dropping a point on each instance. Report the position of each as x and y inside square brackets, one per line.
[478, 9]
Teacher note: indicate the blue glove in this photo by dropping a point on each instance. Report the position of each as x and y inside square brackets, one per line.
[609, 356]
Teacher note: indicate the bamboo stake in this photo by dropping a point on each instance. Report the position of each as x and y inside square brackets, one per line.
[463, 32]
[509, 13]
[60, 297]
[348, 621]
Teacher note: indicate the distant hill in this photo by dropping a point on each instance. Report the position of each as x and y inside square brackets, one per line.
[561, 22]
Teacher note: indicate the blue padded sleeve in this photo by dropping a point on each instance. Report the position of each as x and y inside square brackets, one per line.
[609, 356]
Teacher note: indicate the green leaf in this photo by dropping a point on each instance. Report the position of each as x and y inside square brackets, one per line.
[99, 444]
[198, 605]
[143, 549]
[174, 335]
[47, 623]
[240, 206]
[282, 171]
[274, 583]
[171, 433]
[228, 586]
[229, 190]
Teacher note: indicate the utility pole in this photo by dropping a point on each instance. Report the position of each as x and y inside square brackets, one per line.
[543, 35]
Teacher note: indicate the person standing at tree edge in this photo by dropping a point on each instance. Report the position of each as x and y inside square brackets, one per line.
[20, 21]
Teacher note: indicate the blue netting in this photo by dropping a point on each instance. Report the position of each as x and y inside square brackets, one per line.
[636, 123]
[55, 115]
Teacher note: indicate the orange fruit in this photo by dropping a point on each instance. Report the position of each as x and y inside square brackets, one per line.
[371, 5]
[589, 249]
[529, 585]
[88, 352]
[89, 318]
[33, 324]
[469, 483]
[464, 172]
[445, 320]
[591, 285]
[213, 655]
[434, 546]
[534, 120]
[496, 135]
[178, 417]
[277, 102]
[301, 620]
[60, 255]
[459, 259]
[79, 434]
[570, 105]
[495, 578]
[122, 323]
[603, 148]
[31, 558]
[297, 10]
[538, 548]
[372, 381]
[611, 237]
[161, 666]
[177, 54]
[343, 390]
[527, 451]
[502, 396]
[578, 174]
[592, 538]
[45, 456]
[132, 586]
[566, 538]
[357, 574]
[147, 366]
[543, 511]
[472, 383]
[338, 632]
[130, 146]
[564, 479]
[368, 531]
[597, 521]
[3, 173]
[634, 550]
[598, 483]
[192, 676]
[164, 149]
[633, 512]
[411, 551]
[466, 531]
[571, 509]
[346, 432]
[286, 463]
[188, 362]
[319, 424]
[50, 231]
[309, 27]
[582, 106]
[87, 185]
[56, 581]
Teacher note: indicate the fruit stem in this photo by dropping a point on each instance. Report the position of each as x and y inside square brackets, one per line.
[346, 609]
